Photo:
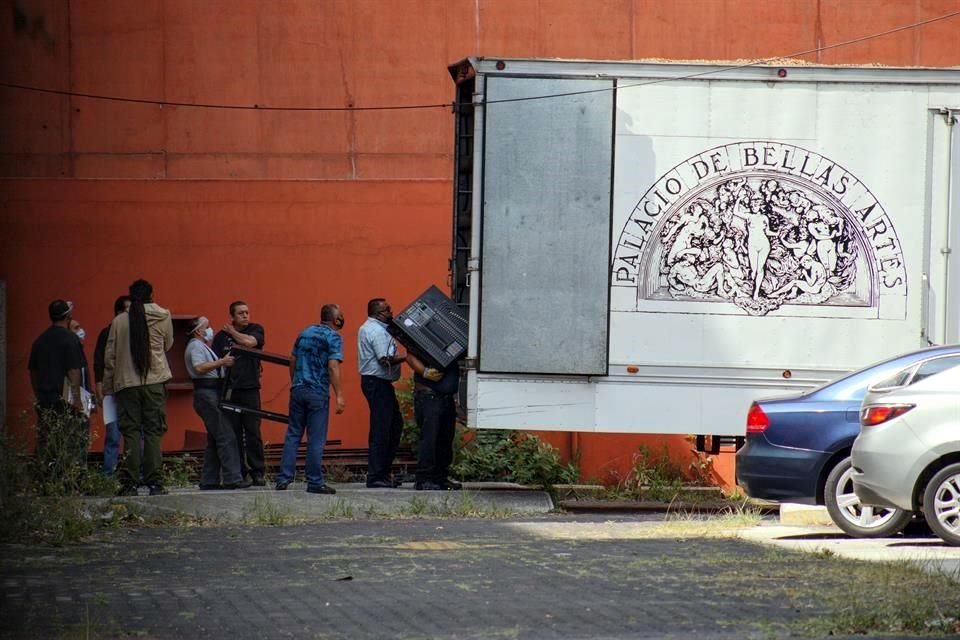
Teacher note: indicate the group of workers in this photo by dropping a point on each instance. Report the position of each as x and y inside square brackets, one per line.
[131, 372]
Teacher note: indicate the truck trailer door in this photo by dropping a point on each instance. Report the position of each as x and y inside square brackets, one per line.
[546, 226]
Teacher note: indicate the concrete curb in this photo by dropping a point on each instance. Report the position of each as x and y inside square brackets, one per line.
[633, 506]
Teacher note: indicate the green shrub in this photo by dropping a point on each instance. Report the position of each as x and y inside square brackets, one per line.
[512, 456]
[411, 430]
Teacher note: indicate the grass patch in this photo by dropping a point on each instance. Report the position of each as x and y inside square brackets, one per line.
[459, 505]
[339, 509]
[693, 523]
[267, 512]
[885, 598]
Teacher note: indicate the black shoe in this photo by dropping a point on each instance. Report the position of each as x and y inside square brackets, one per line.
[158, 490]
[211, 487]
[429, 486]
[243, 484]
[259, 481]
[128, 490]
[450, 485]
[281, 486]
[396, 483]
[323, 488]
[380, 484]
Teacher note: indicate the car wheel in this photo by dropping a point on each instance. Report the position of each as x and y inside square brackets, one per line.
[941, 504]
[855, 518]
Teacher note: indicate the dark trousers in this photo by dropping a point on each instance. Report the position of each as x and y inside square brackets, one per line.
[386, 426]
[221, 459]
[142, 413]
[436, 415]
[246, 432]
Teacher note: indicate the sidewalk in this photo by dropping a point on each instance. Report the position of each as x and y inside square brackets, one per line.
[264, 505]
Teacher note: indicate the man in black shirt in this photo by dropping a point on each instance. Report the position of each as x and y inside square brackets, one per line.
[244, 387]
[435, 410]
[56, 359]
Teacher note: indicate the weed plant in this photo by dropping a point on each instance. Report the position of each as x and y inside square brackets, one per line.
[655, 478]
[180, 471]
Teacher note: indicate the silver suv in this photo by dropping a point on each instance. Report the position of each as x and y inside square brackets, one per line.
[907, 455]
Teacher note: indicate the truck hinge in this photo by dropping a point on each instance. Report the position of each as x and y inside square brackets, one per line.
[473, 264]
[713, 446]
[470, 363]
[948, 116]
[946, 251]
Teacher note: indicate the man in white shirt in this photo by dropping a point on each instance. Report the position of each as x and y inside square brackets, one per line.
[379, 365]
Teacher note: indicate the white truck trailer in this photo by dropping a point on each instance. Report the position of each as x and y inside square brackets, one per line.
[648, 247]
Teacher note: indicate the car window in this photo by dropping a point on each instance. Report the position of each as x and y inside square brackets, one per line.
[853, 387]
[895, 381]
[935, 366]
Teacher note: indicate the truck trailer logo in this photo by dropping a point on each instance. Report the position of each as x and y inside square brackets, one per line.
[760, 227]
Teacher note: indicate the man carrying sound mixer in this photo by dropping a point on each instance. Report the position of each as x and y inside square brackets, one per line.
[435, 411]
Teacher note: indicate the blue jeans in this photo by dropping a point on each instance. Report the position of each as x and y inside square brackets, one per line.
[311, 410]
[111, 447]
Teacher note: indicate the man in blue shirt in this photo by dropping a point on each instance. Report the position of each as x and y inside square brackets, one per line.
[314, 368]
[379, 365]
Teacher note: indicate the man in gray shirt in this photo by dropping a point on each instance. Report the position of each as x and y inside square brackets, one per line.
[379, 365]
[221, 459]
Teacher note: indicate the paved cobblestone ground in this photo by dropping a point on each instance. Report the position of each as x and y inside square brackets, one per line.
[402, 579]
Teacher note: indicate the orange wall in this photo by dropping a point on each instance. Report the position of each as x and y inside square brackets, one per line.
[285, 248]
[360, 53]
[290, 209]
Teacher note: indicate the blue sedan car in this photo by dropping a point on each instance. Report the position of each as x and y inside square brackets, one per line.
[798, 449]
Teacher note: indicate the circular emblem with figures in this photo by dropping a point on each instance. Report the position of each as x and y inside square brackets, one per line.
[761, 227]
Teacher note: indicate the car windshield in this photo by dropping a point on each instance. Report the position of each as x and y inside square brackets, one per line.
[854, 386]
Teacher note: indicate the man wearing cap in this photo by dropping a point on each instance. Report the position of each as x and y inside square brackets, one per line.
[56, 359]
[221, 459]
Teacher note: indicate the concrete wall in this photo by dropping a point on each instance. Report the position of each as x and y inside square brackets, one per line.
[291, 209]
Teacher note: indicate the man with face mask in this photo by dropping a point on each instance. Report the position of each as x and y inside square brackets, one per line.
[87, 395]
[379, 365]
[221, 458]
[314, 369]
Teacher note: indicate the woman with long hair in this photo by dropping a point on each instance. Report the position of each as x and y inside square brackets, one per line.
[136, 372]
